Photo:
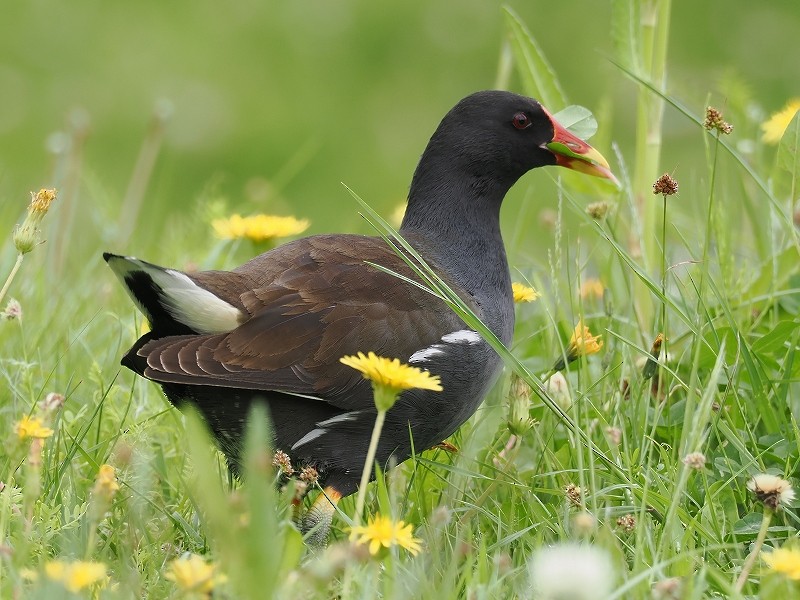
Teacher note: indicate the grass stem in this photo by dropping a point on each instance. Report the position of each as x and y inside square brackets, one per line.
[365, 474]
[11, 276]
[751, 559]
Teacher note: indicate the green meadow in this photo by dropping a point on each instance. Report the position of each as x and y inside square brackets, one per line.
[660, 466]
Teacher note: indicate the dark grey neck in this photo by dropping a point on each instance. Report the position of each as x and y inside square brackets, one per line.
[456, 222]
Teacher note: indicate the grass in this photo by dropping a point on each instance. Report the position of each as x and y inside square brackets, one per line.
[727, 302]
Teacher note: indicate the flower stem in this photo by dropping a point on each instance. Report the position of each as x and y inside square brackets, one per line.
[373, 447]
[751, 559]
[11, 275]
[662, 371]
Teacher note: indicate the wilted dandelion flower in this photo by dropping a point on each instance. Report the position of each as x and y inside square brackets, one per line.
[26, 236]
[571, 571]
[258, 228]
[773, 491]
[785, 561]
[390, 376]
[651, 364]
[75, 576]
[776, 125]
[381, 532]
[31, 427]
[524, 293]
[191, 573]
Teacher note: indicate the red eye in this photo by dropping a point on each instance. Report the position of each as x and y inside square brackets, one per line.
[520, 120]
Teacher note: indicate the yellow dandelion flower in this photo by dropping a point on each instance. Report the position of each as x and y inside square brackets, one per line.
[592, 288]
[258, 228]
[524, 293]
[785, 561]
[31, 427]
[75, 576]
[581, 343]
[106, 484]
[776, 125]
[391, 372]
[191, 573]
[382, 532]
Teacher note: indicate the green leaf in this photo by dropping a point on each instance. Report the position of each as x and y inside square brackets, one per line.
[625, 32]
[788, 171]
[775, 341]
[578, 120]
[788, 149]
[538, 78]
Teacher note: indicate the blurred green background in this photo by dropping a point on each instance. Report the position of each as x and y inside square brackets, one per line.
[275, 103]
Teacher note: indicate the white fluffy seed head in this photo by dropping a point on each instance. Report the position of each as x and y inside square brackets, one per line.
[571, 572]
[772, 490]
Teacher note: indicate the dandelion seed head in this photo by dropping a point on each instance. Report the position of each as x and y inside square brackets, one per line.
[773, 491]
[571, 572]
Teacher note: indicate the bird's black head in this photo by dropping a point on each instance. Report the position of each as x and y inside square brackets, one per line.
[495, 133]
[497, 136]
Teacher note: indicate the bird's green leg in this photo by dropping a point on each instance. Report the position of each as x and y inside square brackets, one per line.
[319, 517]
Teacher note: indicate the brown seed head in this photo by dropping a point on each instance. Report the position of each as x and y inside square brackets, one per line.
[309, 475]
[282, 461]
[627, 523]
[695, 460]
[714, 120]
[573, 494]
[665, 185]
[597, 210]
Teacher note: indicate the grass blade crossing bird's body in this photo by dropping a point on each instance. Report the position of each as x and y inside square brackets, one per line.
[274, 329]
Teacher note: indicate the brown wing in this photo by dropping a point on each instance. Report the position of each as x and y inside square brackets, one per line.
[311, 302]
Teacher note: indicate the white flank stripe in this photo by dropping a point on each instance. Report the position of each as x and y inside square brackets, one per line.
[309, 437]
[426, 353]
[463, 336]
[343, 418]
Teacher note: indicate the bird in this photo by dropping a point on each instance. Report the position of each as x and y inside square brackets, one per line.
[273, 329]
